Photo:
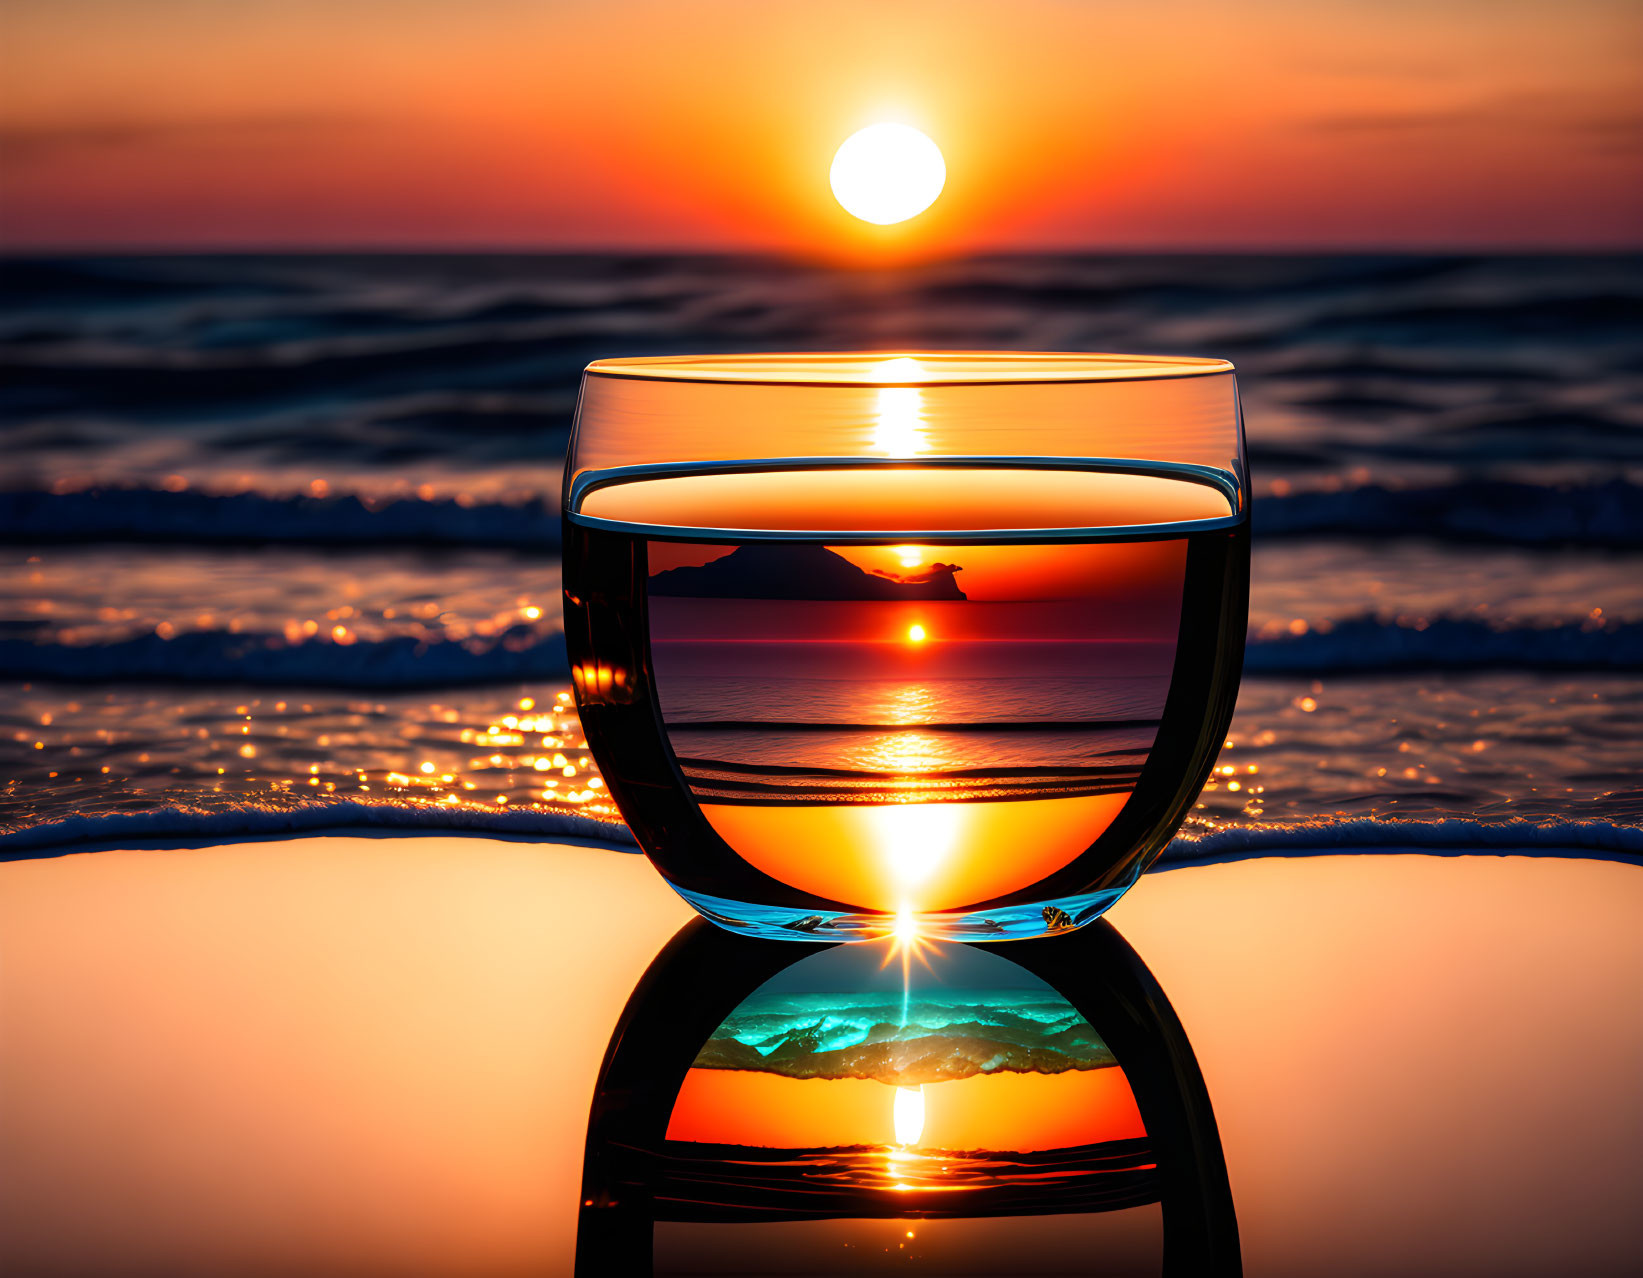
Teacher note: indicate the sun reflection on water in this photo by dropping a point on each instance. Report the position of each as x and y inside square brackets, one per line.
[899, 428]
[915, 838]
[1477, 749]
[906, 751]
[136, 750]
[908, 703]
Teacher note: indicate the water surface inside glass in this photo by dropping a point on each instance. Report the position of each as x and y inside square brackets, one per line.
[905, 725]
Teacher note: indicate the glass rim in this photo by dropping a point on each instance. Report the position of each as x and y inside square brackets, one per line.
[1228, 485]
[909, 368]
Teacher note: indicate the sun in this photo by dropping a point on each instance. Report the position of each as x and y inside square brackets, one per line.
[887, 173]
[917, 633]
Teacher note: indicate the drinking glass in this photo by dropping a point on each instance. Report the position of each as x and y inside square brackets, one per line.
[934, 644]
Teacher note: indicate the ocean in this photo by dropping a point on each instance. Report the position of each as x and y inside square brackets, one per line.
[279, 534]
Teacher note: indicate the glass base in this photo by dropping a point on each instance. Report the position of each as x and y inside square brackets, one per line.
[1009, 923]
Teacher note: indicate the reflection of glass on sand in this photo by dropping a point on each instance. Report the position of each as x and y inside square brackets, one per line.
[917, 1072]
[909, 1114]
[840, 1101]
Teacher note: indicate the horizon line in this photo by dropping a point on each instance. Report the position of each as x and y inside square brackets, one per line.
[819, 258]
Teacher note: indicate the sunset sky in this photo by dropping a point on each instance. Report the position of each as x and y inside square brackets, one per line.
[1006, 1110]
[1149, 571]
[711, 125]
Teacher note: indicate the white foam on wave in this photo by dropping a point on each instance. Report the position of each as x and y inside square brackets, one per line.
[1453, 837]
[253, 821]
[1449, 836]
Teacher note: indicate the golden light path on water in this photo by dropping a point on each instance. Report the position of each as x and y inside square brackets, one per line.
[899, 430]
[911, 703]
[1498, 747]
[906, 751]
[140, 749]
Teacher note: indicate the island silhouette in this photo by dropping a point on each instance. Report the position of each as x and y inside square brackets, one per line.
[786, 570]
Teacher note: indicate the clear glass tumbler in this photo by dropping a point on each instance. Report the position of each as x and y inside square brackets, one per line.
[940, 644]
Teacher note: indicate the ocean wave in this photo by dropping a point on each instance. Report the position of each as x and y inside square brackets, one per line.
[1608, 514]
[1368, 644]
[159, 515]
[264, 660]
[254, 820]
[367, 368]
[1452, 836]
[1358, 646]
[1600, 840]
[906, 1039]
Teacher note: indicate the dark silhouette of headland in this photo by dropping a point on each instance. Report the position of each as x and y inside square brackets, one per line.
[772, 570]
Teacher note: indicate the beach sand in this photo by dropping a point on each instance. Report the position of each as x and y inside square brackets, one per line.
[348, 1054]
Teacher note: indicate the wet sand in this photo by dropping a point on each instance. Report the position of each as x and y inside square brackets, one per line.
[376, 1055]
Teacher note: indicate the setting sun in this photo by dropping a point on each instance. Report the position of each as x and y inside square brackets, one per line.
[917, 634]
[887, 173]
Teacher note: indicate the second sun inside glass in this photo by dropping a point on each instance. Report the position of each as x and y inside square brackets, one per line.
[860, 640]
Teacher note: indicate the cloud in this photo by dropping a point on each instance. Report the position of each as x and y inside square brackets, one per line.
[37, 143]
[1391, 121]
[1597, 124]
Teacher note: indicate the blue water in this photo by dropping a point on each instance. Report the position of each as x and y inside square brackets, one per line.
[236, 483]
[927, 1037]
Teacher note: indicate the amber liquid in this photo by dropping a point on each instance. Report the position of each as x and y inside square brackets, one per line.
[820, 726]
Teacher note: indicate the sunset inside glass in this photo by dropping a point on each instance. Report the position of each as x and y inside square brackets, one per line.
[875, 734]
[894, 683]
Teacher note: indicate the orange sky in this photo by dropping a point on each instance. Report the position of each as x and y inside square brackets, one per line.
[991, 573]
[476, 123]
[1003, 1111]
